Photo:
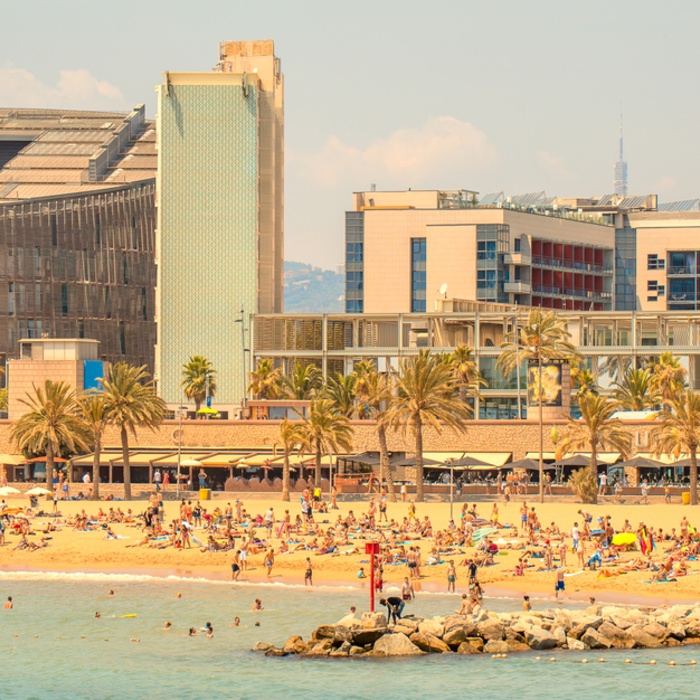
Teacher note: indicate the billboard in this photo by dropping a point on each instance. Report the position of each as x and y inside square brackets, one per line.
[551, 382]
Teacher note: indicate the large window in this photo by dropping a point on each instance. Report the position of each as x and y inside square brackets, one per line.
[418, 274]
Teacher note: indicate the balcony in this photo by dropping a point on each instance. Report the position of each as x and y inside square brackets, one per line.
[572, 293]
[575, 265]
[681, 271]
[517, 287]
[518, 259]
[681, 297]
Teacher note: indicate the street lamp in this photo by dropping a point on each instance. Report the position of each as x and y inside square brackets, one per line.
[241, 320]
[516, 331]
[451, 465]
[179, 451]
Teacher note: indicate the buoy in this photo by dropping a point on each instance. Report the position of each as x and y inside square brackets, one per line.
[58, 636]
[584, 661]
[36, 636]
[652, 663]
[538, 658]
[601, 661]
[693, 663]
[504, 656]
[671, 663]
[494, 656]
[82, 636]
[628, 661]
[15, 635]
[551, 658]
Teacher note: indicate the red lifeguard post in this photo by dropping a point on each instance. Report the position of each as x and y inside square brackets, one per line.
[371, 548]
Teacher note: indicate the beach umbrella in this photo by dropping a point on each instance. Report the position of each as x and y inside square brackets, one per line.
[190, 463]
[529, 465]
[9, 491]
[208, 411]
[624, 538]
[38, 491]
[466, 461]
[577, 461]
[641, 463]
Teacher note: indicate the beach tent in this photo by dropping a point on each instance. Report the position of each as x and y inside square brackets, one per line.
[529, 465]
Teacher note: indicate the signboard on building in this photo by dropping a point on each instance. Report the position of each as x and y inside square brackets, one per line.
[551, 382]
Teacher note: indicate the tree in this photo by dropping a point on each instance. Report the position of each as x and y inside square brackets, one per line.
[466, 371]
[680, 432]
[326, 430]
[303, 383]
[374, 394]
[341, 390]
[92, 409]
[198, 380]
[266, 380]
[596, 430]
[131, 402]
[543, 338]
[426, 396]
[636, 391]
[292, 439]
[50, 424]
[668, 378]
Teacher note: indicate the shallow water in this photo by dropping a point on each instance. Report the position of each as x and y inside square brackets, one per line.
[106, 664]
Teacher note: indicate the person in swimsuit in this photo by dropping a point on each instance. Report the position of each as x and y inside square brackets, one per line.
[394, 607]
[236, 565]
[451, 577]
[407, 592]
[269, 560]
[308, 574]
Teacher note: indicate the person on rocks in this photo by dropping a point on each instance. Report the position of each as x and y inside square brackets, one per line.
[394, 607]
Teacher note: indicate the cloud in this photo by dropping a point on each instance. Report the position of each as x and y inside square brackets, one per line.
[77, 89]
[445, 151]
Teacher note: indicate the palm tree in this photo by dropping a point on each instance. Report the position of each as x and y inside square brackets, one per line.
[304, 382]
[615, 366]
[198, 380]
[131, 402]
[92, 408]
[543, 338]
[326, 430]
[680, 432]
[292, 439]
[596, 430]
[466, 371]
[636, 391]
[266, 380]
[341, 390]
[375, 395]
[50, 424]
[426, 396]
[668, 378]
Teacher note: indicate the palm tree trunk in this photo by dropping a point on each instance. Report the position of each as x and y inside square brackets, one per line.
[693, 475]
[96, 467]
[127, 466]
[384, 465]
[50, 465]
[286, 486]
[317, 476]
[541, 425]
[418, 428]
[593, 467]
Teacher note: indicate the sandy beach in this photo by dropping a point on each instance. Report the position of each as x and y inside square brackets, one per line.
[90, 551]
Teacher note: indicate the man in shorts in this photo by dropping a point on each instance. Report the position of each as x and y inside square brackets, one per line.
[559, 586]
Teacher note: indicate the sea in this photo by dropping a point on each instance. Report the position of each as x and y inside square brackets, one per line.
[53, 646]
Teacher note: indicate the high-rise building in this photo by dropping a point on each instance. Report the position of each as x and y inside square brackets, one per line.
[77, 230]
[620, 170]
[220, 213]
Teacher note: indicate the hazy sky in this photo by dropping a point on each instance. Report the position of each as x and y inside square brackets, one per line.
[511, 95]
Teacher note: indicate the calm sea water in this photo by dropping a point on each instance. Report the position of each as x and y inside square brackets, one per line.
[94, 658]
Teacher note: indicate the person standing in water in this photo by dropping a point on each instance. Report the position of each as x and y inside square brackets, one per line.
[308, 574]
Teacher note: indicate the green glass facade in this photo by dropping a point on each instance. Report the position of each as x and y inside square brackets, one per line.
[207, 230]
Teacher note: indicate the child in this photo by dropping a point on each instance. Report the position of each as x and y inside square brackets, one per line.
[527, 606]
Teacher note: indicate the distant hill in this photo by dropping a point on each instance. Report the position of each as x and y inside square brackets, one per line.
[309, 289]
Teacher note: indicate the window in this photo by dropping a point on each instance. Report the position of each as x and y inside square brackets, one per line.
[652, 285]
[516, 245]
[418, 274]
[122, 338]
[486, 250]
[81, 329]
[64, 299]
[54, 230]
[144, 305]
[655, 263]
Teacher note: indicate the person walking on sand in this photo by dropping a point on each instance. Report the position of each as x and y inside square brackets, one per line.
[308, 573]
[236, 565]
[559, 586]
[451, 577]
[269, 561]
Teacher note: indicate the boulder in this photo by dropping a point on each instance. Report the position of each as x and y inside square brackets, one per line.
[496, 646]
[577, 631]
[595, 640]
[356, 651]
[490, 629]
[320, 648]
[295, 645]
[342, 650]
[460, 622]
[518, 646]
[616, 636]
[429, 642]
[642, 639]
[672, 642]
[403, 629]
[408, 623]
[396, 645]
[467, 648]
[513, 636]
[375, 619]
[539, 639]
[369, 635]
[262, 646]
[594, 621]
[675, 629]
[692, 627]
[622, 621]
[274, 651]
[655, 630]
[341, 635]
[436, 629]
[323, 632]
[476, 642]
[575, 644]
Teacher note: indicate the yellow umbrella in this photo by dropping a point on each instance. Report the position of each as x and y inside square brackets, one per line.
[624, 538]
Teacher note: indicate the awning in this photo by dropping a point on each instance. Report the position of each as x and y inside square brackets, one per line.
[546, 456]
[664, 459]
[105, 458]
[641, 463]
[603, 457]
[496, 459]
[12, 459]
[442, 457]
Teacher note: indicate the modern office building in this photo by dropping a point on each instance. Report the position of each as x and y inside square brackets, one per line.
[220, 213]
[77, 230]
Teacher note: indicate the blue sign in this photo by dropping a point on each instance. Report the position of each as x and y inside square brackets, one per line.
[208, 401]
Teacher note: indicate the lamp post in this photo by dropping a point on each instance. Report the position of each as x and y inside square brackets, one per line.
[517, 362]
[179, 451]
[241, 320]
[452, 485]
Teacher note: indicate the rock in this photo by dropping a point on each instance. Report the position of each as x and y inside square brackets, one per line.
[692, 627]
[563, 620]
[577, 631]
[274, 651]
[341, 635]
[262, 646]
[295, 645]
[681, 610]
[362, 636]
[460, 622]
[490, 629]
[396, 645]
[655, 630]
[595, 640]
[495, 646]
[575, 644]
[356, 651]
[513, 636]
[675, 629]
[594, 621]
[476, 642]
[429, 642]
[467, 648]
[691, 640]
[539, 639]
[375, 619]
[672, 642]
[409, 623]
[436, 629]
[320, 648]
[323, 632]
[622, 622]
[403, 629]
[456, 635]
[342, 650]
[616, 636]
[642, 639]
[375, 653]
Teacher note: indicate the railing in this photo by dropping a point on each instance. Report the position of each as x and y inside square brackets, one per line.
[682, 297]
[682, 270]
[577, 293]
[569, 264]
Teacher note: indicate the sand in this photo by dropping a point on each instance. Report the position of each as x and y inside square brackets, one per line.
[90, 551]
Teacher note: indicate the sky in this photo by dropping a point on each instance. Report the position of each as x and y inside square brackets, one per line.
[487, 96]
